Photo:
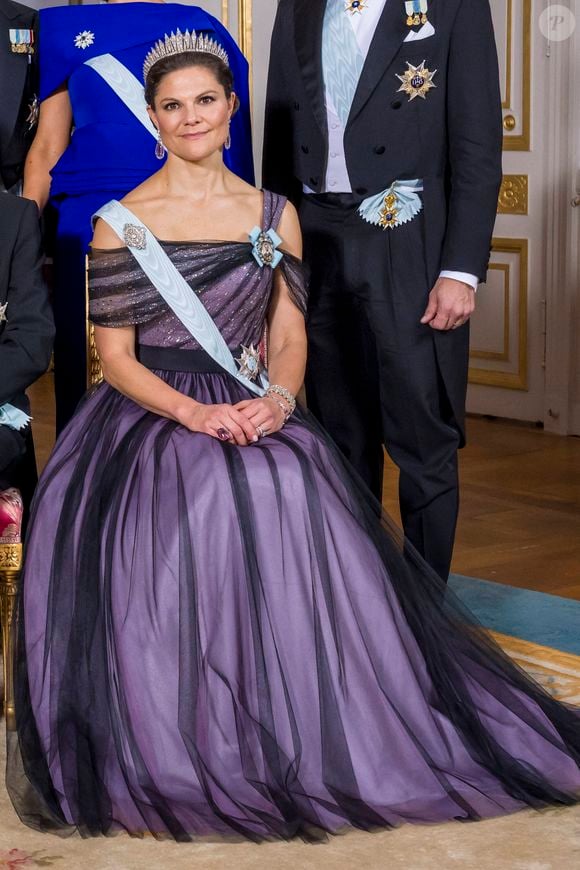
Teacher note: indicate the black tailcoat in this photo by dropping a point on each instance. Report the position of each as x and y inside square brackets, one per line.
[374, 372]
[451, 139]
[18, 86]
[26, 327]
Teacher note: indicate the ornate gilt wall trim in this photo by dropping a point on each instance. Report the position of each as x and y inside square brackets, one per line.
[517, 380]
[507, 101]
[513, 195]
[504, 354]
[519, 141]
[225, 12]
[245, 32]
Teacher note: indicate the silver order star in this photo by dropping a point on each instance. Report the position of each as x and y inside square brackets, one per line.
[84, 39]
[3, 312]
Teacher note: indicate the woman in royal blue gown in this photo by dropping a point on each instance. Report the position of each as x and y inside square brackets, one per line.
[219, 633]
[111, 150]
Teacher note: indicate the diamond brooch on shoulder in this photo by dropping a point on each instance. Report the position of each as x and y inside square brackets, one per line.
[135, 236]
[264, 247]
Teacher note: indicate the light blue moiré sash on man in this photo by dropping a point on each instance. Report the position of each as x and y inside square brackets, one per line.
[342, 59]
[342, 64]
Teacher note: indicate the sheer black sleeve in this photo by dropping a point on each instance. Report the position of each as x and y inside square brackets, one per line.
[295, 274]
[120, 294]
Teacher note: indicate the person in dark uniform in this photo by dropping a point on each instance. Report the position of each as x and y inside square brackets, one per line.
[26, 331]
[18, 88]
[383, 122]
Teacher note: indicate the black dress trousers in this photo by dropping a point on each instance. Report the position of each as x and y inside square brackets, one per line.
[373, 374]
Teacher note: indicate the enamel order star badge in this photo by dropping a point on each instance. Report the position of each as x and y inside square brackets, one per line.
[353, 6]
[417, 81]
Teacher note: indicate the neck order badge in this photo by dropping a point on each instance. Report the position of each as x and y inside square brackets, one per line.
[416, 12]
[353, 6]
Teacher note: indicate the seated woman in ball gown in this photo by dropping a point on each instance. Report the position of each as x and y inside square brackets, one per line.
[91, 67]
[220, 634]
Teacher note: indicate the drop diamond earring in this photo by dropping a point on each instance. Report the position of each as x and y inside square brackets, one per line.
[159, 147]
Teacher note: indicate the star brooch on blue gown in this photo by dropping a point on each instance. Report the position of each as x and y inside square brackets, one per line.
[264, 247]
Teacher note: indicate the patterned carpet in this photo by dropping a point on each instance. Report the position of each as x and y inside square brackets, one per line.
[525, 841]
[557, 672]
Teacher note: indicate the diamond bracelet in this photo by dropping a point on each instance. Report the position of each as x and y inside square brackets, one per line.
[276, 390]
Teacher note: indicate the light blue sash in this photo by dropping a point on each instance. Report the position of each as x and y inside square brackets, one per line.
[13, 417]
[128, 88]
[174, 289]
[407, 203]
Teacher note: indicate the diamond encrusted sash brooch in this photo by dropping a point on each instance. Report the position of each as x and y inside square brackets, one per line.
[264, 247]
[249, 362]
[135, 236]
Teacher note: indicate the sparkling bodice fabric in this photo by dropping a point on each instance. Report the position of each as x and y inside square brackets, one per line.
[225, 275]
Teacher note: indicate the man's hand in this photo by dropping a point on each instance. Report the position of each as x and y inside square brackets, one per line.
[451, 304]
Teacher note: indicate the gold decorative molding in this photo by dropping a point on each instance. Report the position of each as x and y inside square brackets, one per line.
[226, 12]
[94, 370]
[513, 195]
[519, 141]
[517, 380]
[245, 32]
[10, 564]
[10, 557]
[503, 355]
[506, 103]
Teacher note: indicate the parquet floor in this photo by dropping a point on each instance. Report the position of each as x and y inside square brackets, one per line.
[520, 490]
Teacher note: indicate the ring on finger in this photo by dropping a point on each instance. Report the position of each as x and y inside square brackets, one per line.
[223, 434]
[261, 431]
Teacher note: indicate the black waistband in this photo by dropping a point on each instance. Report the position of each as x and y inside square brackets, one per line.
[173, 359]
[333, 200]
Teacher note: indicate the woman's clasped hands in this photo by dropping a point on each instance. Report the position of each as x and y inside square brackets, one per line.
[243, 423]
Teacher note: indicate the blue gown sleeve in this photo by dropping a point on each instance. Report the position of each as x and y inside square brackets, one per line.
[239, 158]
[112, 29]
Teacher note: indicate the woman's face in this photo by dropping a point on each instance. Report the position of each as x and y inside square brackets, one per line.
[192, 113]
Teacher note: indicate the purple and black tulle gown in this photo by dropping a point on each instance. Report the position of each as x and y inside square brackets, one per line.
[232, 641]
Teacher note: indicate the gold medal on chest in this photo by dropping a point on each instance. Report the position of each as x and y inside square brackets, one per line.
[21, 40]
[417, 81]
[416, 11]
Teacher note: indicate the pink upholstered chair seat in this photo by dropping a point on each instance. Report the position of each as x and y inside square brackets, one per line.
[11, 510]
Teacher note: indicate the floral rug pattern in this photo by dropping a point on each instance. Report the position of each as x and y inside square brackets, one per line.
[14, 859]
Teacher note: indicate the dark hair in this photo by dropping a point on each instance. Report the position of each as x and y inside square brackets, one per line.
[186, 59]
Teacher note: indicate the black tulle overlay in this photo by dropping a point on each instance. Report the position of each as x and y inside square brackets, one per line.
[228, 641]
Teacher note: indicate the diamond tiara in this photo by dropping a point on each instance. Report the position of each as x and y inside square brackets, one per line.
[178, 43]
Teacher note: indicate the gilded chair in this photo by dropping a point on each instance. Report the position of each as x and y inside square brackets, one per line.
[94, 370]
[11, 514]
